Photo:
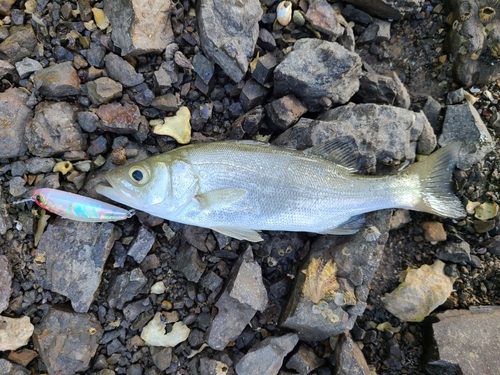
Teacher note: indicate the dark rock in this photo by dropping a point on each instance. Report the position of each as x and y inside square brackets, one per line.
[427, 141]
[263, 72]
[304, 360]
[228, 34]
[266, 40]
[95, 55]
[67, 341]
[266, 357]
[40, 165]
[432, 110]
[165, 76]
[162, 357]
[14, 115]
[285, 112]
[252, 95]
[141, 94]
[377, 32]
[389, 9]
[168, 102]
[8, 368]
[204, 69]
[18, 168]
[323, 18]
[463, 123]
[5, 221]
[19, 44]
[75, 254]
[103, 90]
[57, 80]
[6, 68]
[5, 282]
[140, 27]
[380, 89]
[316, 69]
[213, 367]
[248, 123]
[455, 253]
[132, 310]
[349, 358]
[54, 130]
[201, 115]
[141, 244]
[188, 262]
[355, 15]
[121, 71]
[457, 334]
[118, 118]
[98, 146]
[88, 121]
[17, 187]
[456, 96]
[196, 236]
[125, 287]
[493, 245]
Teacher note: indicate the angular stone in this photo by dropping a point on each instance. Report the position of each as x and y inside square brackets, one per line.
[349, 358]
[228, 33]
[75, 255]
[377, 32]
[120, 70]
[248, 123]
[380, 89]
[14, 115]
[455, 252]
[188, 262]
[118, 118]
[266, 40]
[263, 72]
[168, 102]
[27, 66]
[266, 357]
[210, 366]
[15, 332]
[355, 15]
[54, 130]
[317, 70]
[141, 244]
[19, 44]
[388, 9]
[204, 70]
[40, 165]
[103, 90]
[252, 95]
[7, 368]
[57, 80]
[285, 112]
[355, 261]
[5, 282]
[433, 231]
[125, 287]
[427, 141]
[304, 360]
[162, 357]
[165, 76]
[6, 68]
[432, 110]
[5, 220]
[67, 341]
[323, 18]
[139, 26]
[464, 342]
[463, 123]
[22, 356]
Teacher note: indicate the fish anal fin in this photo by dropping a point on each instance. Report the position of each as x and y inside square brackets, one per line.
[350, 226]
[219, 198]
[342, 151]
[239, 233]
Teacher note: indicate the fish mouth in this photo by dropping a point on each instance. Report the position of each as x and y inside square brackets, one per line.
[112, 192]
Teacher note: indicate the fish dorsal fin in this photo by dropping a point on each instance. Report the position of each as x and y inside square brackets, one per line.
[239, 233]
[219, 198]
[338, 151]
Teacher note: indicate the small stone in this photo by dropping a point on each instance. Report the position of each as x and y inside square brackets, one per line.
[14, 115]
[27, 66]
[266, 40]
[177, 127]
[432, 110]
[158, 288]
[6, 68]
[19, 44]
[399, 218]
[118, 118]
[349, 357]
[285, 112]
[40, 165]
[100, 18]
[252, 95]
[204, 69]
[168, 102]
[210, 366]
[103, 90]
[120, 70]
[57, 80]
[88, 121]
[165, 76]
[377, 32]
[17, 187]
[8, 368]
[15, 332]
[263, 72]
[153, 333]
[141, 244]
[125, 287]
[119, 156]
[483, 226]
[455, 252]
[5, 282]
[201, 115]
[304, 360]
[22, 356]
[433, 231]
[189, 263]
[162, 357]
[98, 146]
[323, 18]
[353, 14]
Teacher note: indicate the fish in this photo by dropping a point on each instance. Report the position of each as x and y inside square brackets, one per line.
[78, 207]
[239, 188]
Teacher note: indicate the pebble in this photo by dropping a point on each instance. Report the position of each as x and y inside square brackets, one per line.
[19, 44]
[103, 90]
[14, 115]
[252, 95]
[304, 360]
[119, 118]
[141, 244]
[58, 80]
[27, 66]
[17, 187]
[125, 287]
[153, 333]
[9, 368]
[285, 112]
[15, 332]
[433, 231]
[120, 70]
[350, 358]
[323, 18]
[263, 72]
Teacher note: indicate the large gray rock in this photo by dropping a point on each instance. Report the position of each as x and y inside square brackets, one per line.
[5, 282]
[462, 123]
[318, 309]
[228, 33]
[75, 254]
[14, 115]
[389, 9]
[54, 129]
[319, 73]
[139, 26]
[473, 41]
[465, 342]
[67, 341]
[323, 18]
[266, 357]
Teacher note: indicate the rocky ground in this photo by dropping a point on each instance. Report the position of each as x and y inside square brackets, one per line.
[84, 89]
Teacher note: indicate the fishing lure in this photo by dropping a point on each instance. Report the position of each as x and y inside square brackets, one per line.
[77, 207]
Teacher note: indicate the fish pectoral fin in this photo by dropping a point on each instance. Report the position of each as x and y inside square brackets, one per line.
[350, 226]
[342, 151]
[239, 233]
[219, 198]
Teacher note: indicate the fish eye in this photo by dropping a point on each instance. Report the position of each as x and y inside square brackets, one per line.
[139, 175]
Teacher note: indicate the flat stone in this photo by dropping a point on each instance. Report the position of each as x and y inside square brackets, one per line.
[463, 123]
[14, 115]
[140, 27]
[377, 32]
[8, 368]
[465, 342]
[228, 33]
[349, 358]
[249, 123]
[162, 357]
[252, 95]
[204, 69]
[103, 90]
[323, 18]
[188, 262]
[120, 70]
[165, 76]
[266, 40]
[266, 357]
[318, 69]
[66, 340]
[125, 287]
[285, 112]
[38, 165]
[433, 231]
[432, 110]
[119, 118]
[27, 66]
[54, 129]
[75, 255]
[15, 332]
[22, 356]
[380, 89]
[17, 187]
[6, 68]
[5, 282]
[141, 244]
[57, 80]
[168, 102]
[19, 44]
[455, 252]
[264, 69]
[388, 9]
[304, 360]
[355, 15]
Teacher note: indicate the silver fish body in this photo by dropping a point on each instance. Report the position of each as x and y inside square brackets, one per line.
[238, 188]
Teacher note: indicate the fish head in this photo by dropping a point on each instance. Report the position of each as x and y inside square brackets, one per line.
[143, 185]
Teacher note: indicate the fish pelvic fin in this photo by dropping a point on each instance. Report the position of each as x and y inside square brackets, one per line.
[435, 195]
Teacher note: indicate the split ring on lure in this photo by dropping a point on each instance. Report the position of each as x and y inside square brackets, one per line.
[77, 207]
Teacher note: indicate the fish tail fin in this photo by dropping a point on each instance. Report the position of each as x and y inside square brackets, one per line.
[435, 195]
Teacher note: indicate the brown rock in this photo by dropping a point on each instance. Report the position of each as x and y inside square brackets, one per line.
[20, 44]
[14, 114]
[5, 6]
[103, 90]
[22, 356]
[5, 282]
[433, 231]
[57, 80]
[118, 118]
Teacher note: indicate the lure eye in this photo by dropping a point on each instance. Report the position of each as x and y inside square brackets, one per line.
[39, 198]
[139, 175]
